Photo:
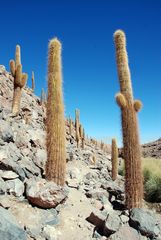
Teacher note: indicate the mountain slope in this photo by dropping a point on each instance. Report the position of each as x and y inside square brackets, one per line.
[94, 207]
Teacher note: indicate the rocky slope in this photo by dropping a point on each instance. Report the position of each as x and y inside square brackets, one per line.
[91, 206]
[152, 149]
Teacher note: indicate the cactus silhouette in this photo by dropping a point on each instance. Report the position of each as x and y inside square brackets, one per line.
[114, 158]
[131, 144]
[20, 80]
[56, 150]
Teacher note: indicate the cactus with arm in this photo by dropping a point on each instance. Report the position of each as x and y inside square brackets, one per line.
[20, 80]
[129, 108]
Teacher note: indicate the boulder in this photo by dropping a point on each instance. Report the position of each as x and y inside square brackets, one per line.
[10, 230]
[112, 223]
[144, 221]
[45, 194]
[125, 233]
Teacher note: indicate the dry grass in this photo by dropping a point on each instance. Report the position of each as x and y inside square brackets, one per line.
[152, 178]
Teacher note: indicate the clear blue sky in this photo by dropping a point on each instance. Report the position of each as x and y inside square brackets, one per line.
[85, 28]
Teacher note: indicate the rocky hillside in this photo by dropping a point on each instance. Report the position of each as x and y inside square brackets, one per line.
[152, 149]
[90, 206]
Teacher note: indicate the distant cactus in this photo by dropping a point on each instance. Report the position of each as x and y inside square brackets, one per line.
[43, 97]
[129, 107]
[102, 145]
[82, 135]
[83, 139]
[77, 117]
[77, 135]
[70, 126]
[20, 80]
[114, 158]
[56, 149]
[77, 124]
[33, 81]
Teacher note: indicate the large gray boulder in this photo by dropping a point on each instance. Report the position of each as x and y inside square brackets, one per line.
[144, 221]
[112, 223]
[125, 233]
[9, 228]
[45, 194]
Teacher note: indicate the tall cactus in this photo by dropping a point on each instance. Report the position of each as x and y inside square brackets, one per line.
[33, 81]
[56, 151]
[114, 158]
[129, 107]
[20, 80]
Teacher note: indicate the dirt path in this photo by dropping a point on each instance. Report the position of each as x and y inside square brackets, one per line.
[73, 224]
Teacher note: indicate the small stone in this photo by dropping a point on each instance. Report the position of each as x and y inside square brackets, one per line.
[8, 175]
[96, 218]
[15, 187]
[124, 218]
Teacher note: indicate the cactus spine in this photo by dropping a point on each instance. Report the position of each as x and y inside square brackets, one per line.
[114, 159]
[129, 107]
[33, 81]
[20, 80]
[56, 151]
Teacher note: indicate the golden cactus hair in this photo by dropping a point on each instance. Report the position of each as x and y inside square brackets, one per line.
[131, 144]
[56, 149]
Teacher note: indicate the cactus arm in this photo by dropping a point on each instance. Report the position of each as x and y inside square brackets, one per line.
[18, 75]
[23, 81]
[137, 105]
[12, 67]
[17, 56]
[121, 100]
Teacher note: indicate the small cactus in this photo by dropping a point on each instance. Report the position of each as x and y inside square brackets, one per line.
[33, 81]
[131, 144]
[56, 149]
[77, 124]
[43, 97]
[20, 80]
[114, 158]
[70, 126]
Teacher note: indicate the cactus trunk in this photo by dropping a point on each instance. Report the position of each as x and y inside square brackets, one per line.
[16, 99]
[131, 144]
[56, 151]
